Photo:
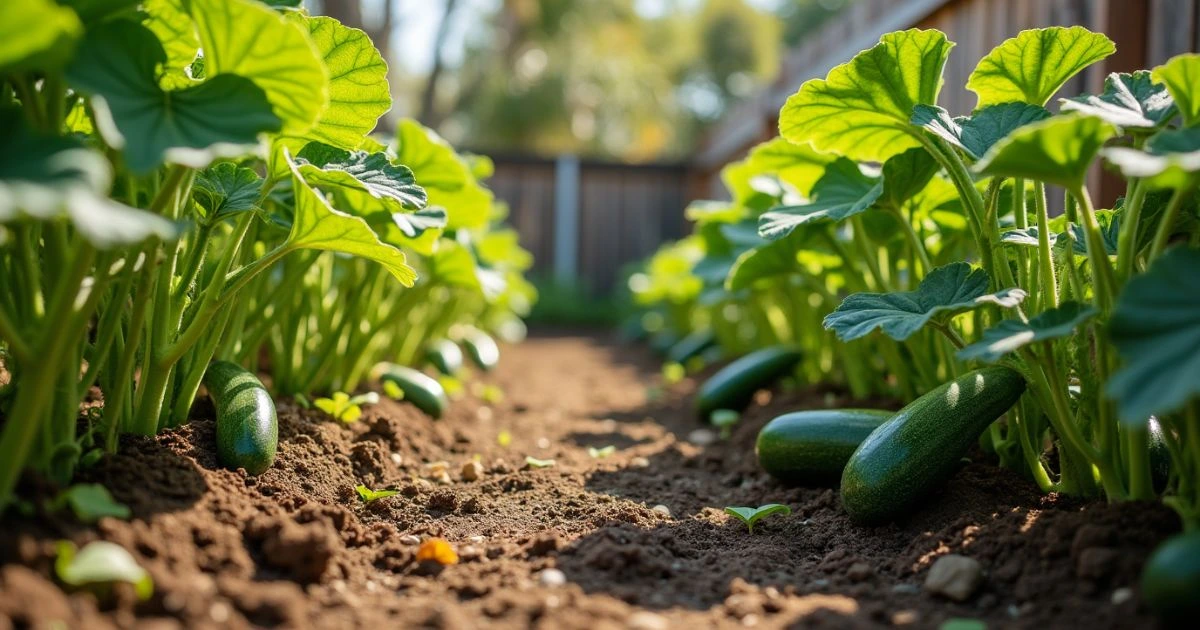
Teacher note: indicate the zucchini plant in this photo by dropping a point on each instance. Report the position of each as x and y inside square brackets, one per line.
[929, 245]
[184, 181]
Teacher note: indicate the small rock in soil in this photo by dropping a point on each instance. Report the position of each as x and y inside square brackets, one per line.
[702, 437]
[662, 509]
[955, 577]
[644, 620]
[410, 539]
[397, 459]
[472, 471]
[639, 462]
[905, 617]
[1122, 595]
[860, 572]
[552, 578]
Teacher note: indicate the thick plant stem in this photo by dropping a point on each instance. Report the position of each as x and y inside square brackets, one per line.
[1049, 284]
[1137, 445]
[1104, 283]
[1131, 217]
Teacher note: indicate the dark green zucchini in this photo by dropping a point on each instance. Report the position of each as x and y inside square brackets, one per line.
[920, 447]
[691, 346]
[734, 385]
[812, 447]
[247, 427]
[1171, 580]
[419, 389]
[446, 356]
[482, 349]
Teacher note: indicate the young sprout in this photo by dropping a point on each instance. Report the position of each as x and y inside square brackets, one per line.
[673, 373]
[437, 550]
[724, 419]
[534, 462]
[368, 495]
[492, 394]
[344, 408]
[504, 438]
[601, 453]
[393, 390]
[454, 387]
[101, 563]
[90, 502]
[750, 516]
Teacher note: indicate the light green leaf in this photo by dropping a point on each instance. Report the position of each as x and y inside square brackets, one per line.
[945, 292]
[502, 249]
[93, 10]
[177, 33]
[453, 265]
[601, 453]
[785, 256]
[862, 110]
[226, 189]
[1131, 101]
[1171, 159]
[101, 562]
[246, 38]
[446, 177]
[843, 192]
[1156, 330]
[1032, 66]
[798, 165]
[1013, 334]
[221, 117]
[976, 134]
[36, 35]
[368, 495]
[316, 225]
[750, 516]
[1057, 150]
[358, 85]
[534, 462]
[1181, 75]
[90, 502]
[707, 211]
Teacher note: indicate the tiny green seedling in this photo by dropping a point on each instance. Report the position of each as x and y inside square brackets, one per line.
[368, 495]
[492, 394]
[100, 564]
[750, 516]
[601, 453]
[453, 386]
[724, 420]
[393, 390]
[962, 624]
[344, 408]
[534, 462]
[673, 373]
[90, 502]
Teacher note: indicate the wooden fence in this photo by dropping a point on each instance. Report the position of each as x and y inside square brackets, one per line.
[625, 211]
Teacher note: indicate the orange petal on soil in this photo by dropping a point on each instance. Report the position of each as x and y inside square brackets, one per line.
[438, 550]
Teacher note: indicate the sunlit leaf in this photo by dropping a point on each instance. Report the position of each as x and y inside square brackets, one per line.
[976, 134]
[1131, 101]
[225, 189]
[843, 192]
[1170, 159]
[1057, 150]
[799, 165]
[175, 30]
[93, 10]
[453, 265]
[778, 258]
[1032, 66]
[101, 562]
[502, 248]
[446, 177]
[1156, 330]
[862, 109]
[36, 35]
[1013, 334]
[1181, 75]
[945, 292]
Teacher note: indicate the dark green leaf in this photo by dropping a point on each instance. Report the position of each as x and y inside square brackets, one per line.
[1013, 334]
[842, 192]
[1156, 329]
[1131, 101]
[90, 502]
[94, 10]
[353, 172]
[976, 134]
[906, 175]
[1032, 66]
[945, 292]
[785, 256]
[1057, 150]
[37, 170]
[226, 189]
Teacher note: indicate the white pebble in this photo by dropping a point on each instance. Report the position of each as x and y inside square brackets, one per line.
[702, 437]
[552, 578]
[662, 509]
[1122, 595]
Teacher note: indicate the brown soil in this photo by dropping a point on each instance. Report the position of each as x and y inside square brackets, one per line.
[296, 547]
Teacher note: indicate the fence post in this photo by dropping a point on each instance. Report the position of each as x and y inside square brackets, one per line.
[566, 219]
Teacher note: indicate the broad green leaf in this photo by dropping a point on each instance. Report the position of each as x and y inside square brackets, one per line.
[1171, 159]
[1181, 75]
[706, 211]
[358, 85]
[1057, 150]
[976, 134]
[316, 225]
[446, 177]
[225, 189]
[945, 292]
[36, 170]
[36, 35]
[248, 39]
[905, 175]
[94, 10]
[1013, 334]
[502, 248]
[843, 192]
[750, 516]
[786, 256]
[862, 110]
[453, 265]
[1156, 330]
[1130, 101]
[177, 33]
[221, 117]
[1032, 66]
[101, 562]
[90, 502]
[358, 173]
[1110, 229]
[799, 165]
[414, 224]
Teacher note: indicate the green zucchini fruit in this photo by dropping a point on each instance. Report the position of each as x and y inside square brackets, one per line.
[482, 349]
[691, 346]
[421, 390]
[734, 385]
[812, 447]
[247, 427]
[921, 446]
[1171, 580]
[446, 356]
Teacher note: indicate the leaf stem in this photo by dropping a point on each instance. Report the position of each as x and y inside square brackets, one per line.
[1166, 224]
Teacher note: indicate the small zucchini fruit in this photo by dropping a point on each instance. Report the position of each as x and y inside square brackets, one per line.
[421, 390]
[482, 349]
[812, 447]
[1171, 580]
[247, 426]
[734, 385]
[921, 446]
[691, 346]
[446, 356]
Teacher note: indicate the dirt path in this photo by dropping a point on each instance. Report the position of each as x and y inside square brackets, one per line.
[296, 546]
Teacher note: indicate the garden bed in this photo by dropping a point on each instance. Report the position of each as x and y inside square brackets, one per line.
[296, 545]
